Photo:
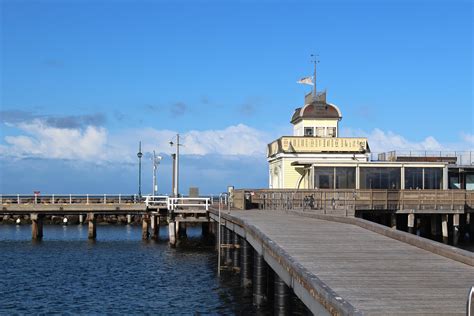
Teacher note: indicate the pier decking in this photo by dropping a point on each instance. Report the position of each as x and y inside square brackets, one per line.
[352, 270]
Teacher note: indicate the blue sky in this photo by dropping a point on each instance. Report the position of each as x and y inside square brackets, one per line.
[83, 81]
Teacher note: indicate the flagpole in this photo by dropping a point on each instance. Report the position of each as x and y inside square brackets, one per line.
[314, 77]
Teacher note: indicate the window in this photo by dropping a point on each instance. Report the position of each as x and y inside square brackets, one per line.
[379, 178]
[324, 178]
[320, 131]
[334, 177]
[345, 178]
[469, 182]
[433, 178]
[308, 131]
[331, 132]
[413, 178]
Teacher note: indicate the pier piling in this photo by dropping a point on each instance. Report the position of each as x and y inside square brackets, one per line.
[228, 242]
[155, 227]
[393, 221]
[172, 233]
[411, 223]
[236, 253]
[36, 226]
[129, 219]
[444, 227]
[455, 229]
[91, 218]
[245, 263]
[81, 219]
[281, 297]
[145, 225]
[259, 280]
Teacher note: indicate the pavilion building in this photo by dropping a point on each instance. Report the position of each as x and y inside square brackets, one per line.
[315, 157]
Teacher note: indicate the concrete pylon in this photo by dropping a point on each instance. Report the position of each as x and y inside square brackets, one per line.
[36, 226]
[92, 232]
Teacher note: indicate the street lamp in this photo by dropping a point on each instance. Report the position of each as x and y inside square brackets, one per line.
[156, 162]
[176, 166]
[140, 155]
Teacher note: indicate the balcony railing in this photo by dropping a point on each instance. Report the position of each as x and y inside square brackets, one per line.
[460, 158]
[311, 144]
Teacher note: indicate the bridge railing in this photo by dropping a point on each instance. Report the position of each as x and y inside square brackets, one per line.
[322, 199]
[159, 201]
[175, 203]
[68, 198]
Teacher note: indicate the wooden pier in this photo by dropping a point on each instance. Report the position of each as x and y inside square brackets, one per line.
[349, 266]
[153, 210]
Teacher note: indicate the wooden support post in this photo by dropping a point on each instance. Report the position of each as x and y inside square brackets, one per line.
[281, 297]
[444, 227]
[246, 252]
[227, 250]
[172, 233]
[455, 229]
[182, 233]
[411, 223]
[92, 233]
[236, 253]
[36, 226]
[145, 225]
[259, 280]
[393, 221]
[155, 227]
[129, 219]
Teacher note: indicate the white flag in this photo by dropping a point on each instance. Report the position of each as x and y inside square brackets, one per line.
[306, 80]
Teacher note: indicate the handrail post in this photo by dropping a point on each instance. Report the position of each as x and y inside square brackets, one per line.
[87, 198]
[120, 198]
[70, 198]
[52, 199]
[18, 199]
[105, 199]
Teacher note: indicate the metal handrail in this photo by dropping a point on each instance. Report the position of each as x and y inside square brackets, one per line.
[470, 302]
[174, 202]
[68, 198]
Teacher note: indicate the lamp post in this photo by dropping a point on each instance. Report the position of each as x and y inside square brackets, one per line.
[156, 162]
[140, 155]
[176, 173]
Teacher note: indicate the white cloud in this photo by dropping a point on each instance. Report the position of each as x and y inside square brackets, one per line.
[43, 141]
[91, 143]
[37, 139]
[469, 138]
[382, 141]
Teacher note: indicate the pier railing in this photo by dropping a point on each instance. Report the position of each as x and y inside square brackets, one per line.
[69, 198]
[352, 200]
[177, 204]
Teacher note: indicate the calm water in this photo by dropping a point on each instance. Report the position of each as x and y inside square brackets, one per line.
[116, 274]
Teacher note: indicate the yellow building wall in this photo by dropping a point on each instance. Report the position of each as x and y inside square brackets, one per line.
[291, 175]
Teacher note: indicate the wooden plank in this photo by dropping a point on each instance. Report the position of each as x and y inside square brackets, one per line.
[376, 274]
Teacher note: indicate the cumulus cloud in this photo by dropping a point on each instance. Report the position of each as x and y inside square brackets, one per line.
[468, 138]
[44, 141]
[40, 139]
[383, 141]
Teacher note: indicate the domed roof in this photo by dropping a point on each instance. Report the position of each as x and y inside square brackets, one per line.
[316, 110]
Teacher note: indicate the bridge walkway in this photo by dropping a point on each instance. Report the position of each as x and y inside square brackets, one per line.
[374, 273]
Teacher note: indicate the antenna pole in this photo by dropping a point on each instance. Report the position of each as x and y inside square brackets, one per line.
[315, 61]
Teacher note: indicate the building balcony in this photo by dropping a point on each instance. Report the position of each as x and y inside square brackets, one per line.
[310, 144]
